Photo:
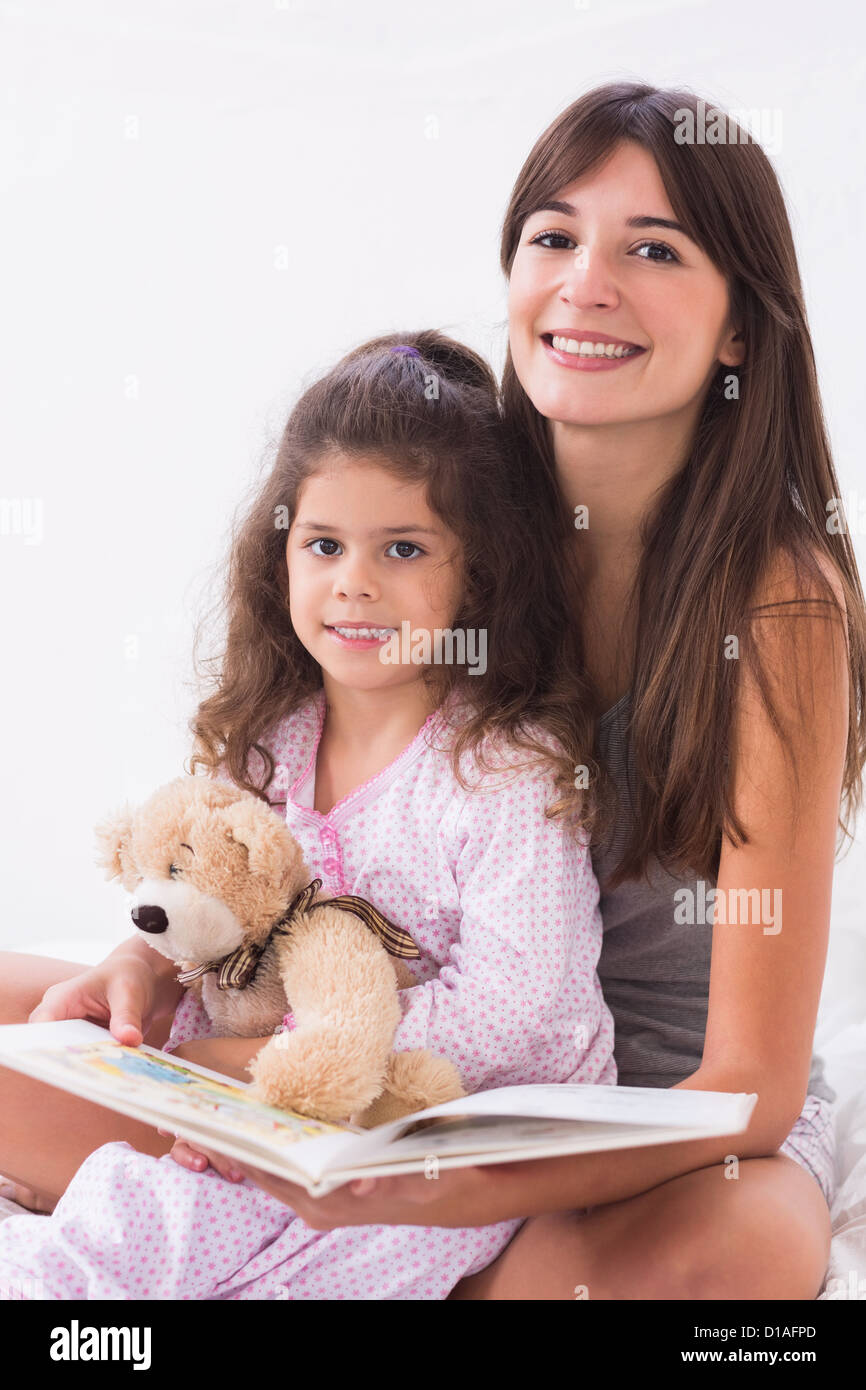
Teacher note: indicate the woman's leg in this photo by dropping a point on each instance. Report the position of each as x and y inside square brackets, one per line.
[46, 1134]
[763, 1235]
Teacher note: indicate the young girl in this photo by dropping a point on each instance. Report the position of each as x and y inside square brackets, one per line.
[444, 791]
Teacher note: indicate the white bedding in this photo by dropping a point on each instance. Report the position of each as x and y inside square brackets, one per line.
[840, 1037]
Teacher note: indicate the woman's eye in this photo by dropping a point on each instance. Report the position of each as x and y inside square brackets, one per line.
[657, 246]
[407, 545]
[667, 257]
[543, 237]
[324, 540]
[172, 870]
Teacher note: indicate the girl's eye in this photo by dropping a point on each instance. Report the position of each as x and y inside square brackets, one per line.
[542, 237]
[172, 870]
[658, 246]
[326, 541]
[408, 545]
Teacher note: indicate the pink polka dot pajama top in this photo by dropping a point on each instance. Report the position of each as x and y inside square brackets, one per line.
[503, 905]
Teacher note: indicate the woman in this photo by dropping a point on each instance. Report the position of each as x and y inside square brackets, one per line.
[688, 485]
[712, 589]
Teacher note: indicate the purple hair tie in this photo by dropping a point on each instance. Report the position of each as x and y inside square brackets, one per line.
[409, 351]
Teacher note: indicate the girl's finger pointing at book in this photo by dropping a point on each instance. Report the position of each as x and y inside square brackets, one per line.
[124, 1004]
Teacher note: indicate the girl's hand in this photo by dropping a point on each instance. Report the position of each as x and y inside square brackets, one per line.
[230, 1056]
[125, 993]
[196, 1159]
[457, 1197]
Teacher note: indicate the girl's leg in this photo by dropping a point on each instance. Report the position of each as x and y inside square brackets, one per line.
[46, 1133]
[763, 1235]
[132, 1226]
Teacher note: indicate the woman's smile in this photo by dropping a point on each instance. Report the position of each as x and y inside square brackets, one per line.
[590, 352]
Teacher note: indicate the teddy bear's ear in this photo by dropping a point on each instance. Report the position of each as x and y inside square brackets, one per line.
[265, 837]
[113, 840]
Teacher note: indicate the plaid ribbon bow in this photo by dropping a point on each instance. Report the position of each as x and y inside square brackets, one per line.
[237, 970]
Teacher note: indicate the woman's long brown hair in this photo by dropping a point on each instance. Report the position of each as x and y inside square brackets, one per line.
[433, 418]
[758, 485]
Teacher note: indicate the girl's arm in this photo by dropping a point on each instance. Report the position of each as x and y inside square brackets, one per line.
[130, 990]
[765, 978]
[229, 1055]
[517, 999]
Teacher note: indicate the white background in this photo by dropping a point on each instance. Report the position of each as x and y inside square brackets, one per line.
[204, 205]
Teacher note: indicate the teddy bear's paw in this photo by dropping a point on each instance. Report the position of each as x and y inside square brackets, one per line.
[413, 1081]
[317, 1072]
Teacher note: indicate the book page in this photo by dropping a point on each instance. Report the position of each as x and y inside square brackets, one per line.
[145, 1081]
[723, 1112]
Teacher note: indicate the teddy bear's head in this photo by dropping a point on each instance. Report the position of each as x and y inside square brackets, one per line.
[211, 868]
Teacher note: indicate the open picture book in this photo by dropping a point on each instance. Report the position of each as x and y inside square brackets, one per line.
[504, 1125]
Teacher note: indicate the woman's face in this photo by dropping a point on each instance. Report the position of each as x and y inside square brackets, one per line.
[589, 275]
[365, 550]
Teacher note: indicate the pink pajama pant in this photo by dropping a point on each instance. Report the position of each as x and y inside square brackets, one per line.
[130, 1226]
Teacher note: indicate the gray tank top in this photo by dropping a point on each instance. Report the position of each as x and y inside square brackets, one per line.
[654, 971]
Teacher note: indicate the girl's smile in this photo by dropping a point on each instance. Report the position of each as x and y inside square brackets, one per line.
[368, 635]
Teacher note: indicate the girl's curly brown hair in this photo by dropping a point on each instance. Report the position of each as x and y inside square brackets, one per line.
[432, 419]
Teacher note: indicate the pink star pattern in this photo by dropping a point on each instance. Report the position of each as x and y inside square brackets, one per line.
[503, 906]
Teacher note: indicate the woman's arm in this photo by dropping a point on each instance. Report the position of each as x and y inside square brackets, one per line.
[765, 978]
[481, 1195]
[769, 952]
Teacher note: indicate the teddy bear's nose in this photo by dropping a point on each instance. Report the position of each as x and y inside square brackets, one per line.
[150, 918]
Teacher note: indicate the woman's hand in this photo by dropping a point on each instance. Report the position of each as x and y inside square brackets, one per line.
[457, 1197]
[127, 992]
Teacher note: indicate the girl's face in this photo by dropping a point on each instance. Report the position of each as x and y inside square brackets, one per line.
[365, 550]
[603, 270]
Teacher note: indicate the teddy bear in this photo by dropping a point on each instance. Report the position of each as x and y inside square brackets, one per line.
[221, 888]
